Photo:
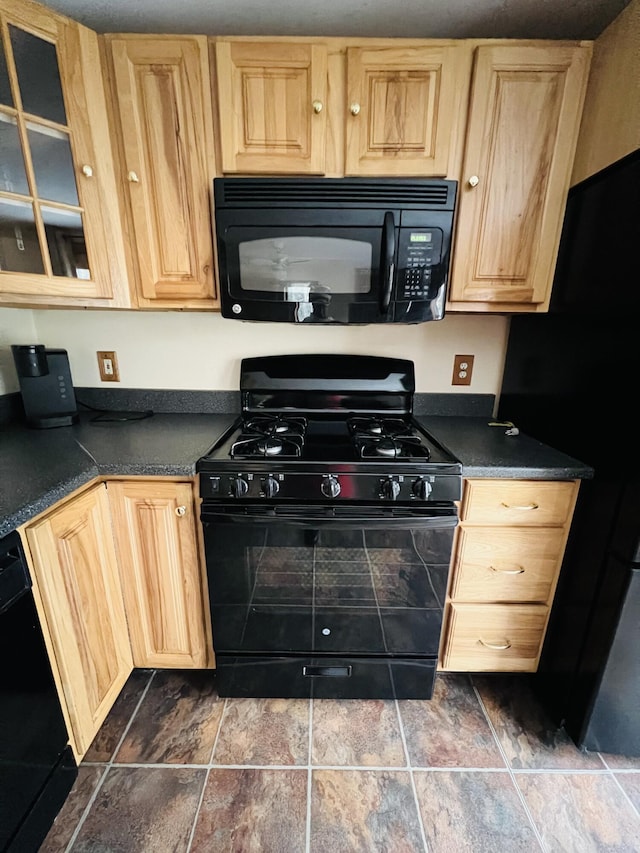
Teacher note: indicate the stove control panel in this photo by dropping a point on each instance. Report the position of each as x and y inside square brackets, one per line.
[337, 486]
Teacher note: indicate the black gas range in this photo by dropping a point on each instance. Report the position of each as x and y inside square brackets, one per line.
[328, 516]
[328, 428]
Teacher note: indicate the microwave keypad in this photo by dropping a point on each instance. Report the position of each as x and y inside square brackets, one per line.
[418, 252]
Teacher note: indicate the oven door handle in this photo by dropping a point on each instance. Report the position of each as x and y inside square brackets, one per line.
[387, 266]
[423, 520]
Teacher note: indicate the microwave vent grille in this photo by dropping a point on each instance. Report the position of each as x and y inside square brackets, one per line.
[240, 192]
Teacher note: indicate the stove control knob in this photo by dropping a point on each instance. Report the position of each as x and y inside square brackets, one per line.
[239, 487]
[330, 487]
[270, 486]
[422, 488]
[390, 489]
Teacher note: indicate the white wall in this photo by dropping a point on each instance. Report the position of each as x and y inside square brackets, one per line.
[202, 351]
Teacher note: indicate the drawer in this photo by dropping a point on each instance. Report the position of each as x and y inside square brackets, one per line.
[518, 502]
[512, 564]
[494, 637]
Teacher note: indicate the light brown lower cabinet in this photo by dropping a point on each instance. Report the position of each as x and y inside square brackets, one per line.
[77, 588]
[155, 528]
[507, 557]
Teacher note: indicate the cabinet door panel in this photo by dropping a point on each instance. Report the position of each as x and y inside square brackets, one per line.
[75, 566]
[401, 110]
[166, 135]
[523, 124]
[160, 569]
[272, 103]
[75, 248]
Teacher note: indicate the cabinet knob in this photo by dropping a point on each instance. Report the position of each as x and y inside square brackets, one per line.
[496, 647]
[473, 181]
[181, 510]
[354, 109]
[87, 171]
[133, 178]
[317, 106]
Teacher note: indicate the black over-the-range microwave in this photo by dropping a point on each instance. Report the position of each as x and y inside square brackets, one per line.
[333, 250]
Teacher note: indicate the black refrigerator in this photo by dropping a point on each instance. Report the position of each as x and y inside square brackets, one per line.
[572, 380]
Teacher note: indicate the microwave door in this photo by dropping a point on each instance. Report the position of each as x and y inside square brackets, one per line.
[306, 274]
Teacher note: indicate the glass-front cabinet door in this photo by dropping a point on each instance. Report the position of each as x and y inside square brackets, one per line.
[60, 236]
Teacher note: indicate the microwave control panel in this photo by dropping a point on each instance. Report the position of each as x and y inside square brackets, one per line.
[419, 250]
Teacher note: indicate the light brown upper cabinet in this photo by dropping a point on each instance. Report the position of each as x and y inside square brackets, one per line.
[163, 103]
[272, 106]
[156, 540]
[400, 104]
[525, 109]
[77, 583]
[60, 230]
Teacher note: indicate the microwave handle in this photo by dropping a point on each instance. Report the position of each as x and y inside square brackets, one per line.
[387, 264]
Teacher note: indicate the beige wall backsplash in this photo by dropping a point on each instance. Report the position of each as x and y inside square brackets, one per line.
[202, 351]
[16, 327]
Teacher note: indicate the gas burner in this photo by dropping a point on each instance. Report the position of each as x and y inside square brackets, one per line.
[379, 427]
[276, 425]
[403, 448]
[252, 444]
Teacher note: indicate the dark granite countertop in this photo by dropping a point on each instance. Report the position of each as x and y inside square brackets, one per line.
[40, 467]
[487, 451]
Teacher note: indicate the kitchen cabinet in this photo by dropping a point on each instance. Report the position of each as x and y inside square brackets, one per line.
[340, 107]
[272, 106]
[400, 108]
[61, 240]
[164, 128]
[509, 548]
[76, 582]
[155, 526]
[524, 116]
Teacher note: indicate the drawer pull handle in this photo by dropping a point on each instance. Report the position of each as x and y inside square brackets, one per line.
[523, 508]
[496, 647]
[518, 571]
[181, 510]
[327, 671]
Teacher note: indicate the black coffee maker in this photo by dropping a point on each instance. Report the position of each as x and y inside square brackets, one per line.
[46, 386]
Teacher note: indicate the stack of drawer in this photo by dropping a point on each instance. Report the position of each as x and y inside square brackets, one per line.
[508, 553]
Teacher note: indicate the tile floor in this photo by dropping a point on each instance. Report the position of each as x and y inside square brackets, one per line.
[477, 768]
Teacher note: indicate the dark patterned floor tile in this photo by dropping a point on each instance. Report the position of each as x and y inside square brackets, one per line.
[66, 822]
[528, 737]
[580, 812]
[475, 811]
[111, 731]
[450, 729]
[364, 810]
[353, 733]
[176, 723]
[142, 810]
[264, 731]
[252, 811]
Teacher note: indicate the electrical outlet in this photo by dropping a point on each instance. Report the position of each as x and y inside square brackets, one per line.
[108, 364]
[462, 369]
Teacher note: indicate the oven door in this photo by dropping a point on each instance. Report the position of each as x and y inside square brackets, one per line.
[329, 596]
[308, 273]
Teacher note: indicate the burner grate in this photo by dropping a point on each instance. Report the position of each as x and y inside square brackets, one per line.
[386, 438]
[269, 436]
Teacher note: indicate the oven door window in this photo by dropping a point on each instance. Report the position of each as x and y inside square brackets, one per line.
[293, 588]
[299, 265]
